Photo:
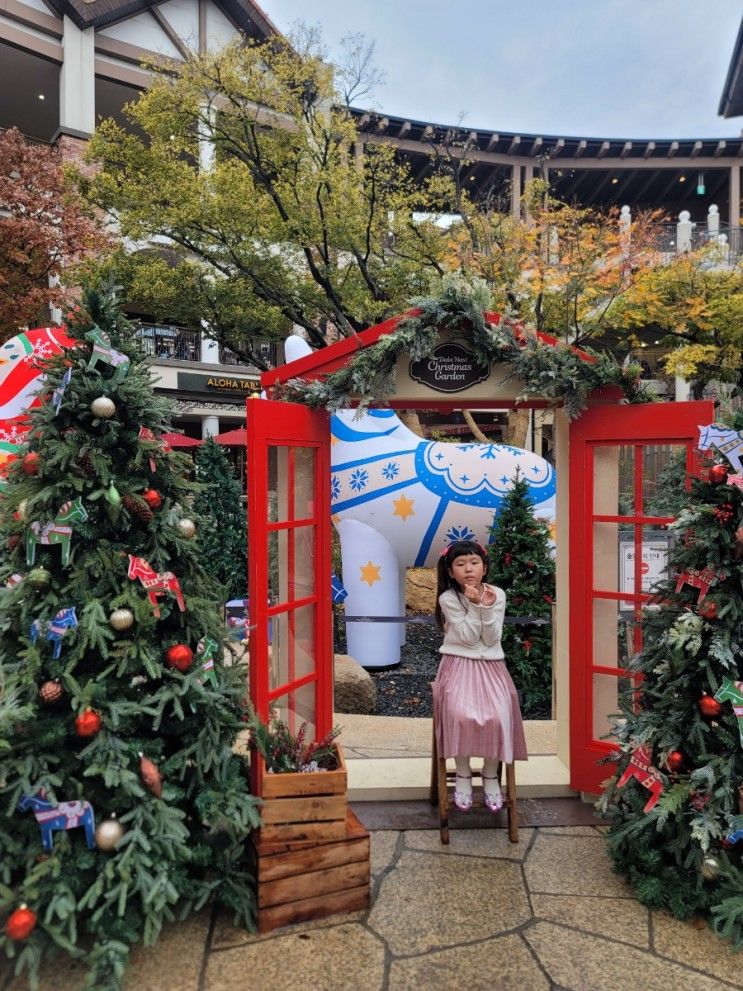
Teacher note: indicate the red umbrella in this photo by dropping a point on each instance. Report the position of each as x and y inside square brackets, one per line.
[233, 438]
[180, 440]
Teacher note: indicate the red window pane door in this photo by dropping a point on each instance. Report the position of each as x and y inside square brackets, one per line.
[291, 650]
[624, 461]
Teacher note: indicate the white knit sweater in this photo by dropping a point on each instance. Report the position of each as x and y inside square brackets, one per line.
[472, 630]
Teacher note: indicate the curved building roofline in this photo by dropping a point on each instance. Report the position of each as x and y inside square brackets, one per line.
[731, 101]
[522, 145]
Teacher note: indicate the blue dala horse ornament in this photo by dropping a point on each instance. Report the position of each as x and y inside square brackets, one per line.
[56, 531]
[108, 355]
[65, 815]
[65, 619]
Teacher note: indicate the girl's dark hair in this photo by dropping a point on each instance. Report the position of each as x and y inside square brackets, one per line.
[444, 580]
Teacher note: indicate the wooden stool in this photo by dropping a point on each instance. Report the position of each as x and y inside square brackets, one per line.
[439, 793]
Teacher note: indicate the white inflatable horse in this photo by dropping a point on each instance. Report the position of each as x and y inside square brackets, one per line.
[398, 499]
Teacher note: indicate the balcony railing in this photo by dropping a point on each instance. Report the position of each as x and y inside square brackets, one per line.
[168, 341]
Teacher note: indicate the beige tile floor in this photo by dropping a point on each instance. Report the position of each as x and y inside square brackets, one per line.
[545, 914]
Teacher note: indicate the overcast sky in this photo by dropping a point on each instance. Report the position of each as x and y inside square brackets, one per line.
[599, 68]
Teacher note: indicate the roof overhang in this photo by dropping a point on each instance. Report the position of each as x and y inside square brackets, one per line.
[731, 101]
[98, 13]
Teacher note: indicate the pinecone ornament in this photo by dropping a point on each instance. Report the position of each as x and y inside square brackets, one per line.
[137, 508]
[84, 462]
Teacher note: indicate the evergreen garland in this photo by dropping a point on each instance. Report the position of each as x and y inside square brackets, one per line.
[188, 844]
[555, 372]
[521, 563]
[677, 855]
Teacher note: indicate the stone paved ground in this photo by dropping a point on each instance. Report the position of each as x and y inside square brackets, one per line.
[546, 914]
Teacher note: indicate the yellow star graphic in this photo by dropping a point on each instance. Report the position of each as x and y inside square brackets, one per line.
[333, 440]
[370, 573]
[403, 507]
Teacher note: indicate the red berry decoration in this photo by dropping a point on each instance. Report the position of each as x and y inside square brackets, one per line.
[724, 513]
[179, 656]
[708, 609]
[88, 723]
[507, 558]
[31, 463]
[709, 707]
[675, 762]
[718, 474]
[153, 498]
[21, 923]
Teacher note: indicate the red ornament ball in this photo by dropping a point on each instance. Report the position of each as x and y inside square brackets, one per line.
[88, 723]
[179, 656]
[675, 762]
[708, 609]
[709, 707]
[153, 498]
[718, 474]
[31, 463]
[21, 923]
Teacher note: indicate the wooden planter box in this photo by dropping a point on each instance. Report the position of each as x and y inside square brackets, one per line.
[304, 807]
[302, 881]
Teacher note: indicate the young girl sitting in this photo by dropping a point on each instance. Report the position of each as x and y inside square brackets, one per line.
[477, 709]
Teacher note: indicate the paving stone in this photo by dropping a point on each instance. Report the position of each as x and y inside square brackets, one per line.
[584, 962]
[500, 964]
[342, 958]
[573, 865]
[617, 918]
[471, 842]
[419, 903]
[226, 934]
[570, 830]
[383, 846]
[174, 964]
[696, 945]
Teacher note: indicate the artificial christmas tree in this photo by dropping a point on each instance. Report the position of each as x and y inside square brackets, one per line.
[98, 724]
[681, 848]
[521, 562]
[222, 533]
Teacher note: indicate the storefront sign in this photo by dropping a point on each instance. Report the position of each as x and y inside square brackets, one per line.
[449, 368]
[235, 384]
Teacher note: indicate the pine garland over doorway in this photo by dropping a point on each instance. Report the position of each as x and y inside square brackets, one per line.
[557, 372]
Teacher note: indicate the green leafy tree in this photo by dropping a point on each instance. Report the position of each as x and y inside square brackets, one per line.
[222, 534]
[522, 564]
[112, 721]
[677, 854]
[267, 208]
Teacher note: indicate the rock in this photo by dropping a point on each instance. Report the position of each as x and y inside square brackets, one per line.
[354, 689]
[420, 590]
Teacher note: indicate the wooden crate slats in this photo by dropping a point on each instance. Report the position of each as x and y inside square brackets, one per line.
[317, 808]
[317, 907]
[286, 832]
[301, 886]
[316, 858]
[313, 783]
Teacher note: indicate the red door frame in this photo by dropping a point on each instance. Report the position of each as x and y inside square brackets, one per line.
[288, 425]
[661, 423]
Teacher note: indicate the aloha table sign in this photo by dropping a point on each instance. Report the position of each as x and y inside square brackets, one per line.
[450, 367]
[191, 382]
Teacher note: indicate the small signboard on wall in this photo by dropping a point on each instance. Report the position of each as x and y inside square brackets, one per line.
[655, 550]
[450, 367]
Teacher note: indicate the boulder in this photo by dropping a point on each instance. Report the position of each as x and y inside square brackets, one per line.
[355, 690]
[420, 590]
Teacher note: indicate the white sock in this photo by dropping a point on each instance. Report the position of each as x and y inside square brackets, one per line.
[463, 783]
[490, 783]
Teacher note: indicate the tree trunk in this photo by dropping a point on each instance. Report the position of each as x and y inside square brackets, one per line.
[412, 421]
[518, 426]
[476, 432]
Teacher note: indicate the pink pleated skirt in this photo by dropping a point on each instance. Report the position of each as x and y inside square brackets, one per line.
[477, 710]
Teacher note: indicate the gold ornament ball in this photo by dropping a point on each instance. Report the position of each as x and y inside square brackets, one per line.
[103, 408]
[710, 868]
[187, 528]
[108, 833]
[121, 619]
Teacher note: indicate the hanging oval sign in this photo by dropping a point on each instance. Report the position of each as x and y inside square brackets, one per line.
[450, 367]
